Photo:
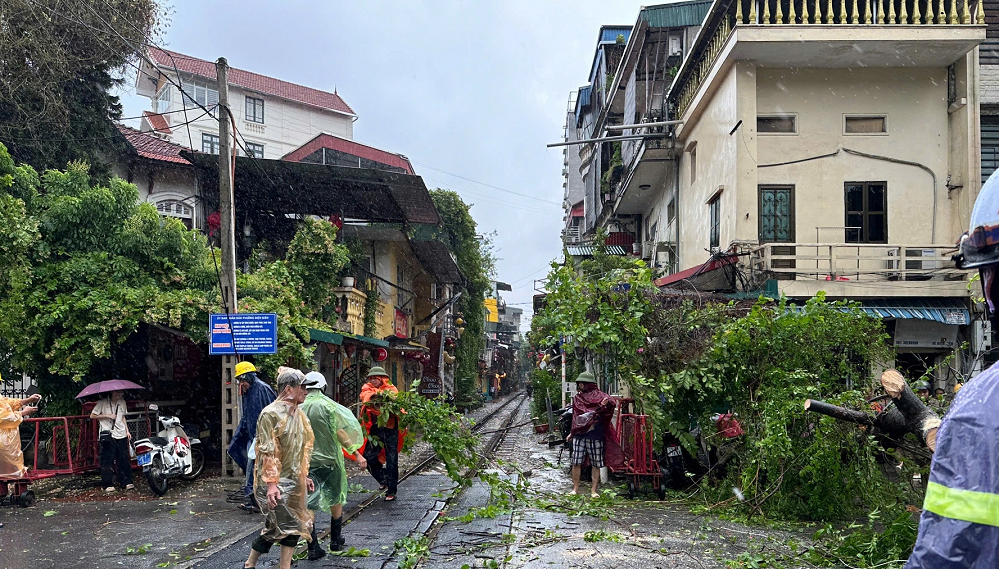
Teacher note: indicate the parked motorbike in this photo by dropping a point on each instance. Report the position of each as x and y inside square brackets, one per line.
[170, 454]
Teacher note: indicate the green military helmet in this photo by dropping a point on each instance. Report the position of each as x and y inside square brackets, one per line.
[921, 385]
[377, 371]
[586, 377]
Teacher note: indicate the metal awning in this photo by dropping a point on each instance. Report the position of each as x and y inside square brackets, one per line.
[943, 310]
[324, 336]
[588, 250]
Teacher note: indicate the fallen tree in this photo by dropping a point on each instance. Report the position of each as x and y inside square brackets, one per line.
[906, 414]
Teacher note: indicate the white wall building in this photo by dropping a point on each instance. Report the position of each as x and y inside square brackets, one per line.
[273, 116]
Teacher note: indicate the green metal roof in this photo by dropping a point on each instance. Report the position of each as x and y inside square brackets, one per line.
[676, 14]
[324, 336]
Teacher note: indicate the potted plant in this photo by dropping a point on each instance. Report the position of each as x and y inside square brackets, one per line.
[347, 282]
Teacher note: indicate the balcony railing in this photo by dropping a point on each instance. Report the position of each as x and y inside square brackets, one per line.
[726, 15]
[855, 262]
[571, 235]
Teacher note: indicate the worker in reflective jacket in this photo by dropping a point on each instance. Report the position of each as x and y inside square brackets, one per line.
[959, 527]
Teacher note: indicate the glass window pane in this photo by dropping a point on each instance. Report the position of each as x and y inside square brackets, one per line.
[854, 198]
[853, 236]
[866, 125]
[875, 197]
[876, 229]
[776, 124]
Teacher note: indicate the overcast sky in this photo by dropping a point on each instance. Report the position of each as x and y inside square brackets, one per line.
[469, 89]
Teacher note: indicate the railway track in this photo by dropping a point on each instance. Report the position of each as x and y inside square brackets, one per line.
[431, 458]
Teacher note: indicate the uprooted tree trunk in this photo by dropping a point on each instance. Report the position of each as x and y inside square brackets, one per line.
[908, 415]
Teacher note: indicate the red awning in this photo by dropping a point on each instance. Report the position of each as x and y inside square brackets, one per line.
[577, 210]
[710, 265]
[621, 238]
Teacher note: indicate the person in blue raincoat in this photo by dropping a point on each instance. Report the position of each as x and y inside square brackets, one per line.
[959, 526]
[256, 396]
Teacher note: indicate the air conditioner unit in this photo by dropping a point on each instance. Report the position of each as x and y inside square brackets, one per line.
[675, 45]
[981, 336]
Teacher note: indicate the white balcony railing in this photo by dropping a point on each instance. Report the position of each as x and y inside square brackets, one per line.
[571, 235]
[855, 262]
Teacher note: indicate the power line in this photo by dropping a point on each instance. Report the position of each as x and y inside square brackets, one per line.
[488, 185]
[490, 199]
[99, 137]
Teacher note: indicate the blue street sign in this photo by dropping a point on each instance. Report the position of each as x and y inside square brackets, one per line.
[251, 333]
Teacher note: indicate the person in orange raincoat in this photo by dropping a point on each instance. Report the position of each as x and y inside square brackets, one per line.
[12, 412]
[386, 441]
[281, 472]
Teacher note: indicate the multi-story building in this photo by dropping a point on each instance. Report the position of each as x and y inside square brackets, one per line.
[631, 71]
[819, 147]
[274, 117]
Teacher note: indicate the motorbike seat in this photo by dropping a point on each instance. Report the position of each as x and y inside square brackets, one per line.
[159, 441]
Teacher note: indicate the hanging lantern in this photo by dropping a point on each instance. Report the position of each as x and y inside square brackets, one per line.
[380, 354]
[459, 321]
[461, 330]
[365, 353]
[350, 349]
[336, 221]
[214, 223]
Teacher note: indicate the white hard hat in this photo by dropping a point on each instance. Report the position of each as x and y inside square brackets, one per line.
[315, 380]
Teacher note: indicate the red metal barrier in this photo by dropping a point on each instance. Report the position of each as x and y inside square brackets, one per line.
[637, 440]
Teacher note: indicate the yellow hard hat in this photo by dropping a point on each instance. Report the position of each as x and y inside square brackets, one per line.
[958, 387]
[244, 367]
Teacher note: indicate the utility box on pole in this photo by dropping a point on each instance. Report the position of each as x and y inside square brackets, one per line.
[230, 390]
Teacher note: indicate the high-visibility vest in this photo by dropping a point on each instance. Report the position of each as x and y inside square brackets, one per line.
[964, 505]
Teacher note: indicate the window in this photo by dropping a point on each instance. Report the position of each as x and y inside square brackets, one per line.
[777, 124]
[255, 110]
[865, 124]
[714, 208]
[209, 143]
[866, 212]
[178, 209]
[163, 100]
[776, 214]
[693, 165]
[990, 145]
[203, 95]
[254, 150]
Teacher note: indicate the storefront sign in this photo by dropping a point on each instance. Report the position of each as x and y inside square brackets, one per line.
[912, 333]
[401, 324]
[250, 333]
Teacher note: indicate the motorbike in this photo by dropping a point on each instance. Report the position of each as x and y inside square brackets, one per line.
[170, 454]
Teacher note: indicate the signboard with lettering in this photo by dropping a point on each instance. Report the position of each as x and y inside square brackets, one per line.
[401, 324]
[244, 334]
[911, 333]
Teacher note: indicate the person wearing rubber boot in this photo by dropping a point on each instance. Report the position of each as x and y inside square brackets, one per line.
[338, 433]
[282, 483]
[256, 395]
[383, 433]
[959, 526]
[591, 413]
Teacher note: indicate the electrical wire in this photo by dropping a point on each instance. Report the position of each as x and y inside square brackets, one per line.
[108, 137]
[487, 185]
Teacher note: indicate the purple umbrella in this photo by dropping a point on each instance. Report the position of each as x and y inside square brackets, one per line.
[107, 387]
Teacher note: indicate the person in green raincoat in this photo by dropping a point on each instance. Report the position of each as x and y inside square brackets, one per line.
[337, 431]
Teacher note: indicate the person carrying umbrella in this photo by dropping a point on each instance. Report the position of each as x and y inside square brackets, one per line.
[281, 473]
[114, 439]
[256, 395]
[337, 433]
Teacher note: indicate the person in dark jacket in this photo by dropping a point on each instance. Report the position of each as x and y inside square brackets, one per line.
[959, 526]
[256, 395]
[591, 414]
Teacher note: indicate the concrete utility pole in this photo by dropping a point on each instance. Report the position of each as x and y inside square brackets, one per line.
[230, 393]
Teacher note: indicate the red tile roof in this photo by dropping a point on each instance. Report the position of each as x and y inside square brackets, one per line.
[697, 270]
[349, 147]
[151, 147]
[157, 122]
[253, 81]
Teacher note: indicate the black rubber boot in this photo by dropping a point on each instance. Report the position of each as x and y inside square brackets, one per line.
[336, 540]
[315, 550]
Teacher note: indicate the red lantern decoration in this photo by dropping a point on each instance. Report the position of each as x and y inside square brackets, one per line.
[350, 349]
[337, 221]
[380, 354]
[214, 223]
